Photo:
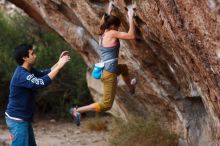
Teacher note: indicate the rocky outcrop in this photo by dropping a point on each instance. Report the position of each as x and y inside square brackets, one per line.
[175, 58]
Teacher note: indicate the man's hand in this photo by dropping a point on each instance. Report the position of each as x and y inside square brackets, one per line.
[64, 53]
[63, 60]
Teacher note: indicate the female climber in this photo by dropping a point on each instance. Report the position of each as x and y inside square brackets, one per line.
[109, 50]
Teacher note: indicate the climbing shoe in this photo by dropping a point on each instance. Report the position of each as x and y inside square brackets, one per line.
[77, 116]
[133, 83]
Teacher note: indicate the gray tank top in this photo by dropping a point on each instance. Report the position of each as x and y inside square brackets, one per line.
[107, 53]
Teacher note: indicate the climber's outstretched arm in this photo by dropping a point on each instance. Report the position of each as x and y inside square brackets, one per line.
[131, 32]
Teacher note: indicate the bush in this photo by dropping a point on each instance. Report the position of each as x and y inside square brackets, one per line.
[140, 132]
[97, 123]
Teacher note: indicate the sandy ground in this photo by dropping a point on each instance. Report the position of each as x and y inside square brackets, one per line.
[58, 133]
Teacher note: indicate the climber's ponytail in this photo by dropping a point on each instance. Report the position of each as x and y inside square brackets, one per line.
[109, 21]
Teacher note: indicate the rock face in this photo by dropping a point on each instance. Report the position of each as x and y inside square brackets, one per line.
[175, 58]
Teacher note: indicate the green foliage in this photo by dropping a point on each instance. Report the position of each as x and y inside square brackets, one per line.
[69, 88]
[140, 132]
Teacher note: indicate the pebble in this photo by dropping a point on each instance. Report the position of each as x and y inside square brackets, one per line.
[52, 120]
[77, 140]
[95, 140]
[77, 132]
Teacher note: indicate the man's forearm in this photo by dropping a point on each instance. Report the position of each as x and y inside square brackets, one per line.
[53, 66]
[54, 71]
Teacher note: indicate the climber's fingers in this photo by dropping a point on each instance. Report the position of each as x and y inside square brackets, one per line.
[134, 6]
[111, 6]
[111, 3]
[130, 12]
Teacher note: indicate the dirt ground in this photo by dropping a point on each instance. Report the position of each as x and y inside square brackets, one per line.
[59, 133]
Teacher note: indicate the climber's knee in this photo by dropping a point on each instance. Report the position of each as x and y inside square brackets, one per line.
[97, 107]
[123, 70]
[101, 106]
[105, 106]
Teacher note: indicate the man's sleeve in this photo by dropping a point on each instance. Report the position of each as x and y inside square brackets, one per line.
[41, 73]
[30, 81]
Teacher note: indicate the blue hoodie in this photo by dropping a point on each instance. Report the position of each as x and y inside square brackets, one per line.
[21, 99]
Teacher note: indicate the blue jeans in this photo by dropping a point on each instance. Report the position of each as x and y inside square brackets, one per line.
[21, 133]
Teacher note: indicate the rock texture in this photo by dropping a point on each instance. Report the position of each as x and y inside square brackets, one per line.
[175, 58]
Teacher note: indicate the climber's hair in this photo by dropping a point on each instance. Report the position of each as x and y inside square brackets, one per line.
[109, 21]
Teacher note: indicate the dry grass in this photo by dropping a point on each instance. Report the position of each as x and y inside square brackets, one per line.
[97, 124]
[139, 132]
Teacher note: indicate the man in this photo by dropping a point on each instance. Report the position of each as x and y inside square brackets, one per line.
[26, 79]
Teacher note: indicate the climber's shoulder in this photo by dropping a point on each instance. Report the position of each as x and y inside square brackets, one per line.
[120, 35]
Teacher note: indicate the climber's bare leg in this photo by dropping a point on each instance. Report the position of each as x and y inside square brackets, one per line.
[83, 109]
